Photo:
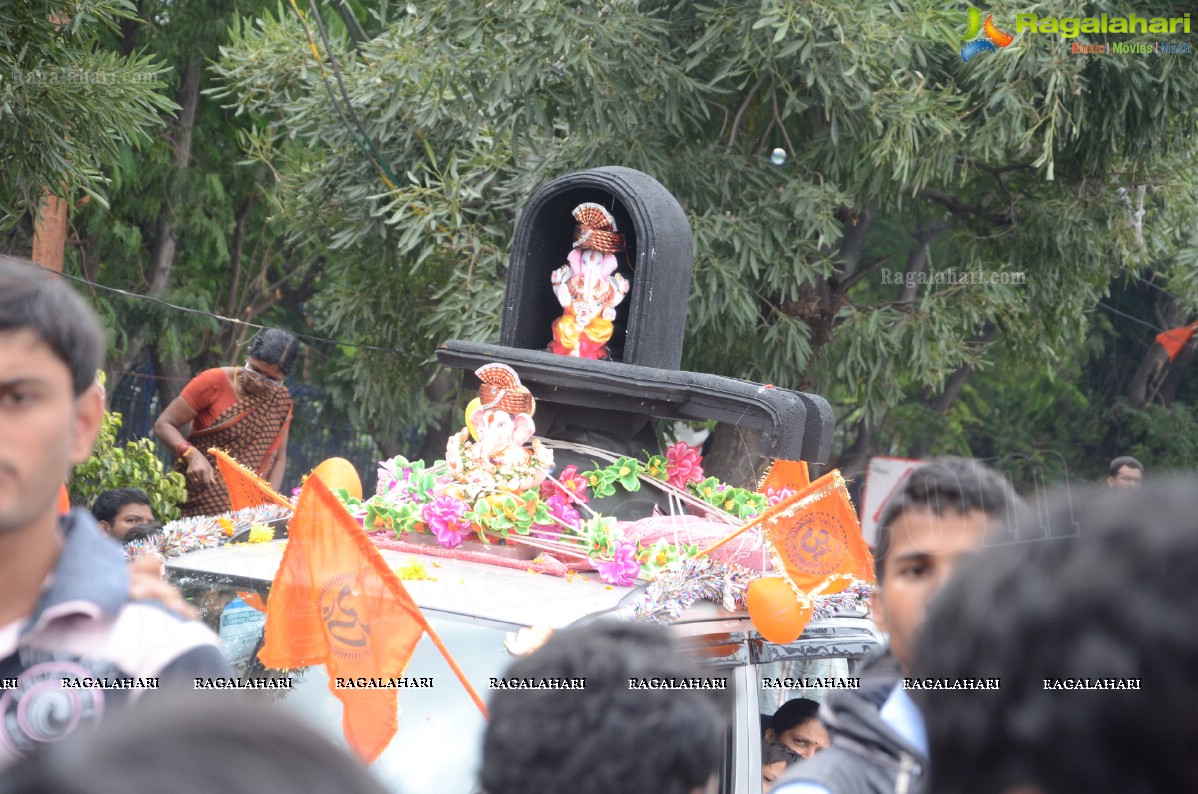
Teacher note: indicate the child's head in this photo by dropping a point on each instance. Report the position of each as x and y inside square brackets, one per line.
[775, 758]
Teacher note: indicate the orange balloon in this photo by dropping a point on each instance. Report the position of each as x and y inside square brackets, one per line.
[776, 613]
[339, 473]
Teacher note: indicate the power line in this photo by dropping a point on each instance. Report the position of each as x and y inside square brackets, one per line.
[1113, 310]
[233, 320]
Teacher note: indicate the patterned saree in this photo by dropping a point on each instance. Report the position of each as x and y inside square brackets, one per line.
[251, 430]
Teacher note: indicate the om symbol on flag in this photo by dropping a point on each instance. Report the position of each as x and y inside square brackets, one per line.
[817, 543]
[349, 635]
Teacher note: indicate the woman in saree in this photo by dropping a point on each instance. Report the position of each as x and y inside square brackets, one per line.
[244, 410]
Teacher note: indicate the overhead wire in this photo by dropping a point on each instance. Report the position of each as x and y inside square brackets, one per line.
[233, 320]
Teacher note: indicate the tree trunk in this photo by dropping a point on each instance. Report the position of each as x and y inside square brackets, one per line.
[854, 242]
[1177, 370]
[855, 459]
[50, 232]
[917, 261]
[952, 390]
[162, 257]
[1149, 373]
[732, 458]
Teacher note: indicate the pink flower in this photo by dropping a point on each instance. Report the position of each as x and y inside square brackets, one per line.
[774, 496]
[573, 487]
[560, 509]
[682, 465]
[623, 569]
[443, 516]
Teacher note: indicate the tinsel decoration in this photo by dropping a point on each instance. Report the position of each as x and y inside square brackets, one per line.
[679, 586]
[205, 532]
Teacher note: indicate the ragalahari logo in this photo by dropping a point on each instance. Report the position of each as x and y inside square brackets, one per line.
[981, 38]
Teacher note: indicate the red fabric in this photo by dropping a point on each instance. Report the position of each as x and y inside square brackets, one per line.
[64, 501]
[209, 394]
[1175, 339]
[335, 602]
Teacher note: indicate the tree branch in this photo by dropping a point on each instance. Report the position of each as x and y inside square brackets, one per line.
[957, 207]
[870, 266]
[243, 215]
[740, 113]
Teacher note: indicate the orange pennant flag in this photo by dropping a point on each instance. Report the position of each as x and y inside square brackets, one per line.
[814, 538]
[792, 474]
[335, 602]
[246, 489]
[1175, 339]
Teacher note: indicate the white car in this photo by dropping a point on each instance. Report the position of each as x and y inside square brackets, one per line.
[476, 607]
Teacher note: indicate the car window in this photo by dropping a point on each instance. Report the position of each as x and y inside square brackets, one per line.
[439, 725]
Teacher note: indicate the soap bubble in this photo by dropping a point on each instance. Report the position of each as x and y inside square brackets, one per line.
[778, 156]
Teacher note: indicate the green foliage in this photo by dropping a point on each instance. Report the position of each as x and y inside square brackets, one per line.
[473, 106]
[135, 465]
[67, 107]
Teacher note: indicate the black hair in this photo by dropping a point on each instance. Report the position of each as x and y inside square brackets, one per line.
[33, 299]
[792, 714]
[109, 503]
[1110, 595]
[607, 736]
[1120, 462]
[187, 744]
[151, 530]
[275, 346]
[772, 753]
[961, 484]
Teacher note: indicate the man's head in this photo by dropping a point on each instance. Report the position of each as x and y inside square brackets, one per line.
[607, 736]
[1115, 600]
[119, 510]
[796, 725]
[50, 348]
[941, 513]
[1124, 472]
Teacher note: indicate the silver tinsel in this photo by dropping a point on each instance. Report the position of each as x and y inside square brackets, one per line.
[679, 586]
[205, 532]
[683, 583]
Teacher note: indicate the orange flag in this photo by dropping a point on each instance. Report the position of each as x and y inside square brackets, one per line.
[335, 602]
[1175, 339]
[790, 474]
[246, 489]
[814, 538]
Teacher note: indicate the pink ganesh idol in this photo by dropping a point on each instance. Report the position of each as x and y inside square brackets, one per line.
[589, 288]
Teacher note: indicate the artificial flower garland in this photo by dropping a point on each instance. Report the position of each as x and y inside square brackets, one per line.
[414, 498]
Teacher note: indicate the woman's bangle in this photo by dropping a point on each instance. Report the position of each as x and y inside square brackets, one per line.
[183, 450]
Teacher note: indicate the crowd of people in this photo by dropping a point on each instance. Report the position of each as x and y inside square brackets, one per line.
[971, 583]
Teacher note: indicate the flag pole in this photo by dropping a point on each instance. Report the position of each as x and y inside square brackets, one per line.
[735, 534]
[453, 665]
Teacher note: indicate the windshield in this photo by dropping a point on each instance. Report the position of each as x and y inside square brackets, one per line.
[438, 724]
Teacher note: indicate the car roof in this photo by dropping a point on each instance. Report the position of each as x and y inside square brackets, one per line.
[518, 596]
